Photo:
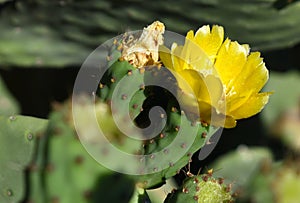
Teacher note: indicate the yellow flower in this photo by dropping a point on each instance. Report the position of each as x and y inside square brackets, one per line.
[224, 76]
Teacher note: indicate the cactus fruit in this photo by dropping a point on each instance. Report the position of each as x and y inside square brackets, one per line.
[18, 135]
[202, 188]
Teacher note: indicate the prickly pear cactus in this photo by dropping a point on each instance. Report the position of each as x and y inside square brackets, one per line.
[175, 122]
[157, 168]
[135, 87]
[203, 188]
[63, 171]
[17, 137]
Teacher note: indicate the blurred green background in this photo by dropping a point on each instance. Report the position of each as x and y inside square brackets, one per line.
[43, 44]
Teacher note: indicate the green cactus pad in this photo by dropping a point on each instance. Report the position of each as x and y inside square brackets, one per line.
[165, 152]
[18, 135]
[63, 170]
[116, 72]
[164, 142]
[158, 153]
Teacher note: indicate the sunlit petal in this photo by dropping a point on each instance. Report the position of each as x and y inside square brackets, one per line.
[252, 106]
[230, 61]
[210, 41]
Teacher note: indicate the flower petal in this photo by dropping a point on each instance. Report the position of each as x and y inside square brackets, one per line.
[252, 106]
[230, 61]
[254, 75]
[208, 89]
[249, 81]
[190, 35]
[198, 59]
[210, 40]
[230, 122]
[214, 87]
[235, 101]
[191, 80]
[259, 74]
[179, 58]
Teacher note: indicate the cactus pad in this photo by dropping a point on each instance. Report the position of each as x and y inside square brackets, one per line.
[17, 138]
